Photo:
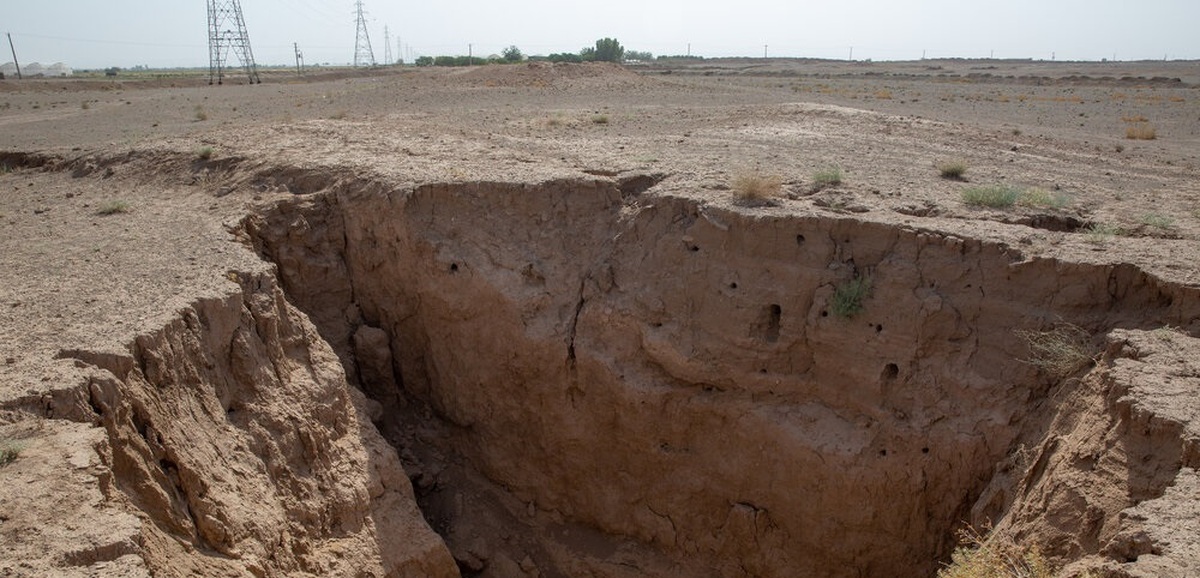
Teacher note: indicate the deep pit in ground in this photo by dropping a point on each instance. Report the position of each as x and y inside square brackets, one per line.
[586, 377]
[623, 383]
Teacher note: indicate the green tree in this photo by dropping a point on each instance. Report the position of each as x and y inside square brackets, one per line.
[606, 50]
[635, 55]
[424, 61]
[512, 54]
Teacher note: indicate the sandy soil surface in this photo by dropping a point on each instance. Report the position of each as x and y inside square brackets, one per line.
[117, 199]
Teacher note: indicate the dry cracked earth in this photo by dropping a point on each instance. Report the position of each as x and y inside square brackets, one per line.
[518, 321]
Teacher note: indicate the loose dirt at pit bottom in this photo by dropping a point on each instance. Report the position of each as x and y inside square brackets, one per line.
[512, 321]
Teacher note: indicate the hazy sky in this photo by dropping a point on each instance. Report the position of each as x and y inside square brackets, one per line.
[95, 33]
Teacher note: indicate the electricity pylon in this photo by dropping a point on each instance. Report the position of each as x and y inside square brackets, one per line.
[387, 47]
[363, 55]
[227, 30]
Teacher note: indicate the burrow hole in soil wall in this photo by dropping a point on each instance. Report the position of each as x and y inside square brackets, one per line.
[592, 356]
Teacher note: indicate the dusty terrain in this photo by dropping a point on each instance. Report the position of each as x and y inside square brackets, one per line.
[512, 321]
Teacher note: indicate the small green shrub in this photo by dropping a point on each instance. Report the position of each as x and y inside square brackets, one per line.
[600, 119]
[848, 297]
[200, 114]
[994, 196]
[1038, 197]
[204, 153]
[9, 452]
[756, 187]
[1060, 351]
[827, 177]
[1158, 221]
[113, 208]
[953, 170]
[1099, 233]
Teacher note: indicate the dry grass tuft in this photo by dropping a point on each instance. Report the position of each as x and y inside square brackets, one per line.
[113, 208]
[1060, 351]
[980, 557]
[1140, 131]
[953, 170]
[756, 187]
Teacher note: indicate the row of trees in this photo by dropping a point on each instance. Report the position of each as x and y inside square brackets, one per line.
[605, 50]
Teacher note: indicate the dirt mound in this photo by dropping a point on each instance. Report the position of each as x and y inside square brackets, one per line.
[552, 75]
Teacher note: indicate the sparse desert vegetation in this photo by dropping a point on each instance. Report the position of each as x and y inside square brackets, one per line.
[113, 208]
[988, 557]
[991, 196]
[756, 187]
[1043, 198]
[1061, 350]
[9, 451]
[830, 176]
[954, 170]
[848, 297]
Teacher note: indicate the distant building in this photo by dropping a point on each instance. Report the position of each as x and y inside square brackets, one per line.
[33, 69]
[8, 69]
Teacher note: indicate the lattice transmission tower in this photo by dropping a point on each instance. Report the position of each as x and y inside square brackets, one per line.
[227, 31]
[363, 55]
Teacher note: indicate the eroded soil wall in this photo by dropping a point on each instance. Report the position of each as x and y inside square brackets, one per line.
[675, 373]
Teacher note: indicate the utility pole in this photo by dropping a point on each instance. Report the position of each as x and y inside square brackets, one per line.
[363, 55]
[764, 51]
[851, 54]
[299, 59]
[470, 52]
[387, 47]
[227, 30]
[689, 49]
[14, 51]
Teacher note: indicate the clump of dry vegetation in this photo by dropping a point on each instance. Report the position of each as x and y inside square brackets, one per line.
[1059, 351]
[600, 119]
[1139, 128]
[200, 114]
[755, 187]
[1140, 131]
[204, 153]
[113, 208]
[953, 170]
[980, 557]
